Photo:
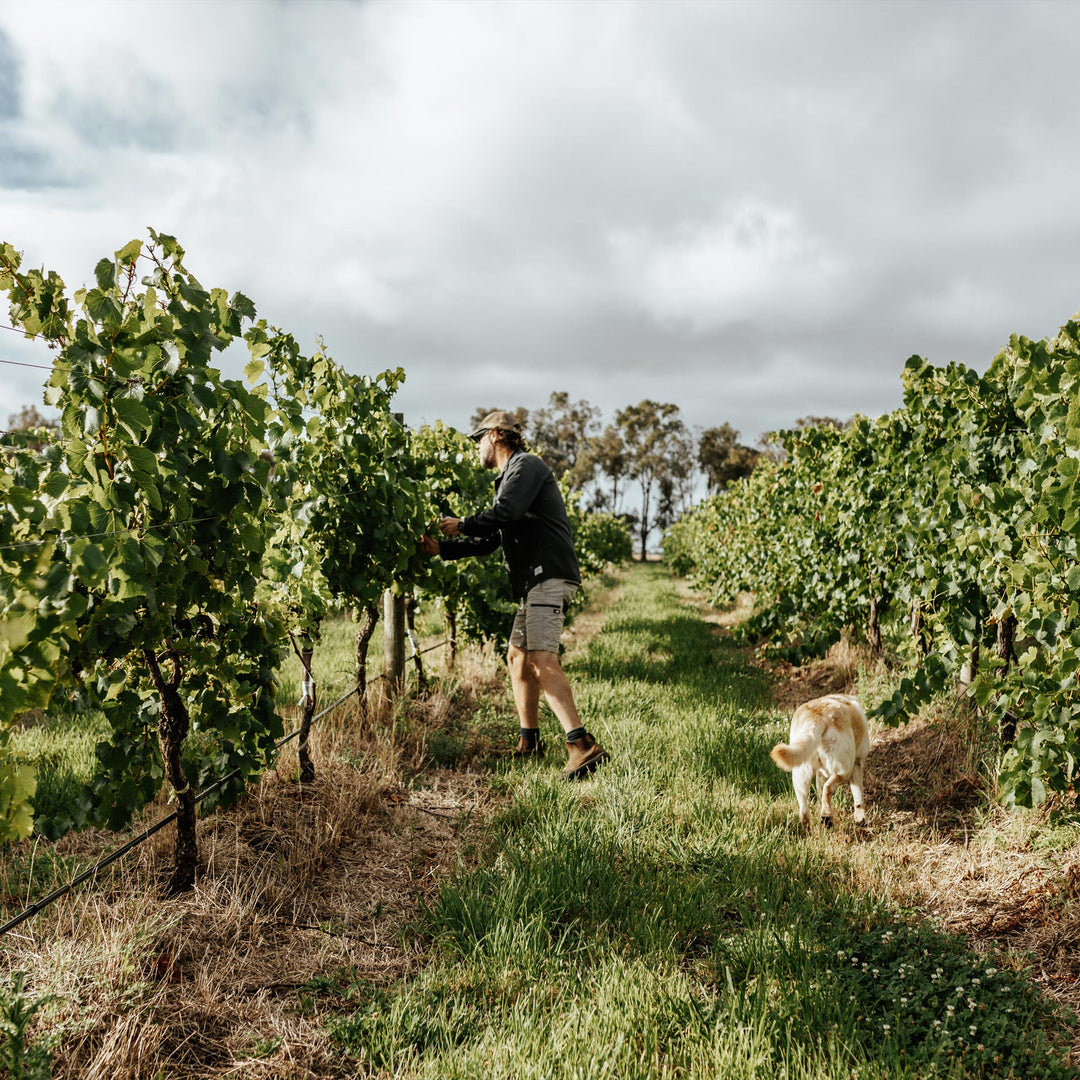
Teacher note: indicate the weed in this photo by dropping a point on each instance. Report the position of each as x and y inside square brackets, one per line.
[20, 1059]
[933, 1004]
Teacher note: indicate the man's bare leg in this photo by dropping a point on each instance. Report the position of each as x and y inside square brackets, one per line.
[550, 677]
[526, 688]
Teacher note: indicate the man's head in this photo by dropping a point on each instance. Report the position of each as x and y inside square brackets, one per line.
[497, 429]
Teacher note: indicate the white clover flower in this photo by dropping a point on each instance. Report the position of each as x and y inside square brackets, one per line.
[976, 982]
[991, 972]
[973, 1029]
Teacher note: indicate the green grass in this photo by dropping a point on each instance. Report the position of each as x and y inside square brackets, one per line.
[60, 747]
[666, 918]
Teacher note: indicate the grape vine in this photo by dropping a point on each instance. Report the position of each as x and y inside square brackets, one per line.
[950, 526]
[160, 555]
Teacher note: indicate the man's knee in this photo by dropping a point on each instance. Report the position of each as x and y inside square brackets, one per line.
[541, 662]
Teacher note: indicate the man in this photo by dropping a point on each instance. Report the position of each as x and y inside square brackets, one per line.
[528, 519]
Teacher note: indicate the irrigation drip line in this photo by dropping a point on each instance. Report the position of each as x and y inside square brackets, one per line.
[56, 894]
[430, 648]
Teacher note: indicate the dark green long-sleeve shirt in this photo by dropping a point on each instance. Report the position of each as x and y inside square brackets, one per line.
[528, 519]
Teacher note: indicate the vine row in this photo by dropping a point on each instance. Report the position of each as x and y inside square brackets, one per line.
[162, 552]
[944, 532]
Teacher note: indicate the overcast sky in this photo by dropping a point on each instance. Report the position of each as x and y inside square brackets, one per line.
[756, 211]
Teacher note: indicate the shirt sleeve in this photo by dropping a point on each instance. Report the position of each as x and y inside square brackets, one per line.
[521, 483]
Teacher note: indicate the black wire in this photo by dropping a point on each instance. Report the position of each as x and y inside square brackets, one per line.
[56, 894]
[21, 363]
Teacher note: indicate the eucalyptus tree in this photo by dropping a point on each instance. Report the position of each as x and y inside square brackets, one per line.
[722, 458]
[657, 448]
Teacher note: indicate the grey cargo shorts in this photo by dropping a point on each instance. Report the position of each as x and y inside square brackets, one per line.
[539, 620]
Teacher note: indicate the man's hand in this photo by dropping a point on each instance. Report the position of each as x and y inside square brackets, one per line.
[429, 545]
[450, 526]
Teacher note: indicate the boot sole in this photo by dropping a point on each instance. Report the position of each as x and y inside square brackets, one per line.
[586, 767]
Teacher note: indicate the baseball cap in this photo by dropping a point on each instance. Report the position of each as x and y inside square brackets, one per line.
[500, 419]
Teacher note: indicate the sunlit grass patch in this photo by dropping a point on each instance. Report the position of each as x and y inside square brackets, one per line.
[663, 918]
[60, 746]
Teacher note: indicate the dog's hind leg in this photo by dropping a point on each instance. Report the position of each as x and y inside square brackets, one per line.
[802, 777]
[859, 814]
[826, 790]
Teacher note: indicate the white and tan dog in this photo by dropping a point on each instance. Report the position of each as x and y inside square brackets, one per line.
[830, 738]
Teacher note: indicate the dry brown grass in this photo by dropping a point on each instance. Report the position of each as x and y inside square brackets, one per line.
[302, 888]
[314, 885]
[298, 884]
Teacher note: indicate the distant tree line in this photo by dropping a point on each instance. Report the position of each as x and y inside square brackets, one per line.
[648, 449]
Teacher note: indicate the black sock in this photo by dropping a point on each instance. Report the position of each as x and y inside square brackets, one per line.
[577, 733]
[531, 736]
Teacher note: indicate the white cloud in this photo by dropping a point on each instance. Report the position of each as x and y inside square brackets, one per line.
[707, 274]
[752, 210]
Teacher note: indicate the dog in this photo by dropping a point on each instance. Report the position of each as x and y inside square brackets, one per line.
[829, 737]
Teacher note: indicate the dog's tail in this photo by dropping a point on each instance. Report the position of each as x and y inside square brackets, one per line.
[790, 756]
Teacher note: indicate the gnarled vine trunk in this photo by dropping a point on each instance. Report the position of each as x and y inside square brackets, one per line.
[173, 726]
[368, 623]
[873, 624]
[451, 627]
[1006, 650]
[410, 625]
[307, 766]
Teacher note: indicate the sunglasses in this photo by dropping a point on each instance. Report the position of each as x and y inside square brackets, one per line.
[476, 436]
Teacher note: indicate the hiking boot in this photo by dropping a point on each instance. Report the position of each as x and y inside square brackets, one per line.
[585, 754]
[524, 750]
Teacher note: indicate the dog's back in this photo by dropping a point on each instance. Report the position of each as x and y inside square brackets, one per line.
[830, 738]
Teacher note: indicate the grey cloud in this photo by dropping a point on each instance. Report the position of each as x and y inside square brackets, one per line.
[9, 79]
[512, 199]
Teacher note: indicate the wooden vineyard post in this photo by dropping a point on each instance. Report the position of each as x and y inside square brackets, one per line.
[394, 636]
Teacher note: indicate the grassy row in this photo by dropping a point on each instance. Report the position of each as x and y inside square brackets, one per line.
[666, 919]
